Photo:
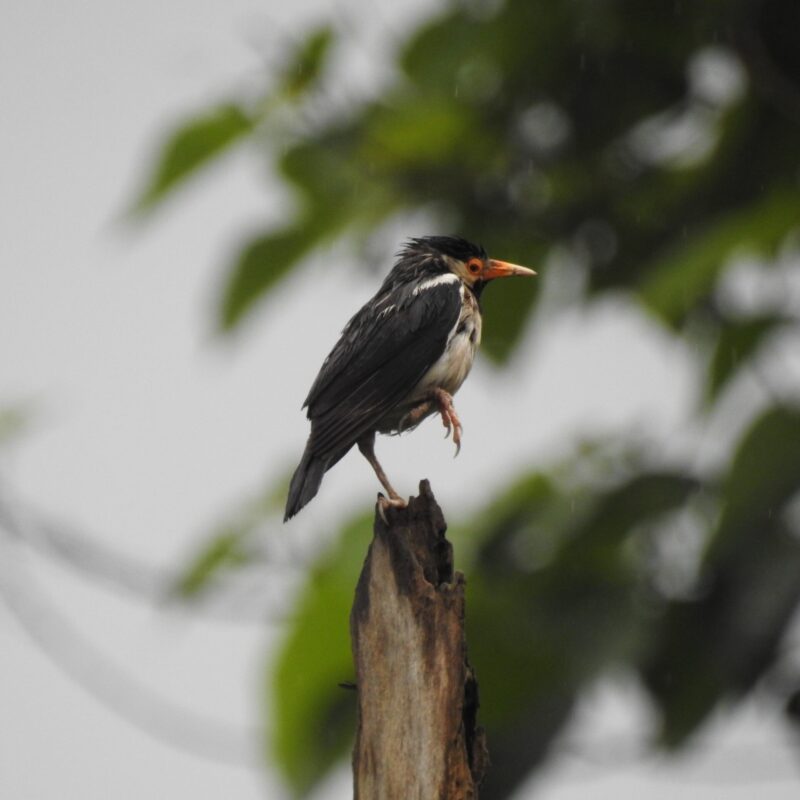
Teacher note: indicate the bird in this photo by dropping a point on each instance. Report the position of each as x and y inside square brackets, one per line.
[399, 359]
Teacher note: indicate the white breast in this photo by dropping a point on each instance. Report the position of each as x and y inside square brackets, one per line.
[452, 368]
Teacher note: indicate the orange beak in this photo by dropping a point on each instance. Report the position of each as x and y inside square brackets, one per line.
[502, 269]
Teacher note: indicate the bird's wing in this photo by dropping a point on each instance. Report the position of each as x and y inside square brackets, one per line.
[382, 354]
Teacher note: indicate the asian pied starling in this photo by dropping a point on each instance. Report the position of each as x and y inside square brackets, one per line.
[401, 358]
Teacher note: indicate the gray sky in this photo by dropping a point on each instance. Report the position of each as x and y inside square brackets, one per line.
[147, 429]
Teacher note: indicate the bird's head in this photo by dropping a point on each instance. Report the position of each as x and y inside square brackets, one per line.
[438, 255]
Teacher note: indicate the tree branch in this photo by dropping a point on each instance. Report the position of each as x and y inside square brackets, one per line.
[417, 735]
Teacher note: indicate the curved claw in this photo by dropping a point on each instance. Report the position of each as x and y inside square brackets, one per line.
[382, 510]
[450, 419]
[385, 503]
[457, 437]
[448, 427]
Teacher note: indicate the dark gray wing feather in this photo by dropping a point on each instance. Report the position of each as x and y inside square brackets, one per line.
[382, 354]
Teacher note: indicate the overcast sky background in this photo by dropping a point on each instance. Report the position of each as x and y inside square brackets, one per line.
[147, 429]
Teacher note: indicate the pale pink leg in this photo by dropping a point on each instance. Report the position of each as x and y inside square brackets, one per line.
[367, 447]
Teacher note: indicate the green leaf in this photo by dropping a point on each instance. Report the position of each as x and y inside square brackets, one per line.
[738, 343]
[305, 66]
[764, 475]
[679, 280]
[259, 267]
[432, 57]
[223, 552]
[314, 718]
[191, 146]
[415, 131]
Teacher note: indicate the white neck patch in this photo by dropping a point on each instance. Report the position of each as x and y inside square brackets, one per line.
[448, 277]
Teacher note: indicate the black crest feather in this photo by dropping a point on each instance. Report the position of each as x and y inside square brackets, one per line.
[453, 246]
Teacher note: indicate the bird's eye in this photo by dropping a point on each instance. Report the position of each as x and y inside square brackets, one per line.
[474, 266]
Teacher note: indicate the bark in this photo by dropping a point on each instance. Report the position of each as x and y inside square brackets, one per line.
[417, 737]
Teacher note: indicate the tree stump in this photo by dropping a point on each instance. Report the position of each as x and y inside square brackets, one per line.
[417, 737]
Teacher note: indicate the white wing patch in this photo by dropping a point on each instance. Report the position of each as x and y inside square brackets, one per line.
[448, 277]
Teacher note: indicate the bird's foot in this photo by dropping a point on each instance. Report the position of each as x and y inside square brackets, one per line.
[415, 416]
[450, 419]
[385, 503]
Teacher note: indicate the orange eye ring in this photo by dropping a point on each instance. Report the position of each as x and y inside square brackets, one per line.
[474, 265]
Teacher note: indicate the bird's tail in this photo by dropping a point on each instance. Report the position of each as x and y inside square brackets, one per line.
[305, 482]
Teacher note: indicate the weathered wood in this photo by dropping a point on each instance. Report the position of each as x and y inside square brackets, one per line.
[417, 737]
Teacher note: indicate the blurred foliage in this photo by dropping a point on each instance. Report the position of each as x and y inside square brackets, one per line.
[224, 551]
[314, 716]
[651, 144]
[739, 340]
[718, 645]
[232, 544]
[14, 420]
